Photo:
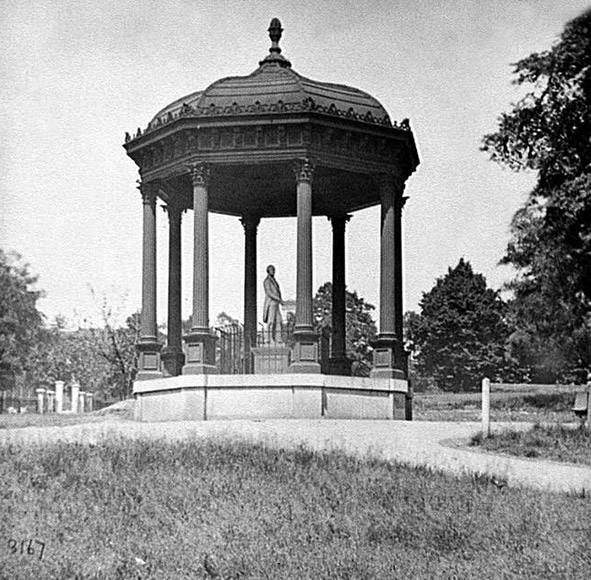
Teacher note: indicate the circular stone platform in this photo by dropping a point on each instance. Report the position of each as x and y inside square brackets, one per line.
[286, 396]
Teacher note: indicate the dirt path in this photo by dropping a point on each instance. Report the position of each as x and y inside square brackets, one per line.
[434, 444]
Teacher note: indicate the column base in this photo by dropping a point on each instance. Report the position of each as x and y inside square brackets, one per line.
[389, 359]
[173, 360]
[339, 365]
[304, 354]
[149, 364]
[200, 354]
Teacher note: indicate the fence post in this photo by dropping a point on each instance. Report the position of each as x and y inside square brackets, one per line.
[588, 404]
[59, 396]
[485, 407]
[50, 401]
[75, 396]
[40, 396]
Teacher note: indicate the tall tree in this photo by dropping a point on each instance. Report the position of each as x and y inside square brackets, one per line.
[20, 320]
[360, 326]
[549, 131]
[459, 336]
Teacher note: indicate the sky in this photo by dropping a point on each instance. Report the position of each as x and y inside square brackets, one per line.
[77, 74]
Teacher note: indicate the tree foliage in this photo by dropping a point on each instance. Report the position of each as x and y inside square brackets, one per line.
[549, 131]
[69, 355]
[459, 336]
[103, 360]
[20, 321]
[360, 326]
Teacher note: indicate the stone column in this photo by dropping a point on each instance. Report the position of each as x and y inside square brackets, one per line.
[250, 224]
[40, 400]
[389, 354]
[200, 345]
[75, 393]
[59, 396]
[305, 352]
[90, 400]
[339, 364]
[81, 402]
[148, 345]
[172, 354]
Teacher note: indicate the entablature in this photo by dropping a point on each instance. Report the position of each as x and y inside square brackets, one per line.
[344, 146]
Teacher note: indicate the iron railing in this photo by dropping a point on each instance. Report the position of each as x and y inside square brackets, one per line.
[233, 356]
[230, 351]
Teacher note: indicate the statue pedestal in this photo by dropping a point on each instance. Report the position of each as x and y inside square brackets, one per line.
[271, 360]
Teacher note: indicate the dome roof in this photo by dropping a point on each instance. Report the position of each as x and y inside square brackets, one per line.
[275, 87]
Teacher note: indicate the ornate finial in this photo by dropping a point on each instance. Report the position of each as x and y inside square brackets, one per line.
[275, 31]
[274, 55]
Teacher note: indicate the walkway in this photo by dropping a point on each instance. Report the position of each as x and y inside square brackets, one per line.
[433, 444]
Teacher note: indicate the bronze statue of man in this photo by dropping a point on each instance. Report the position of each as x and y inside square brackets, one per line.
[272, 305]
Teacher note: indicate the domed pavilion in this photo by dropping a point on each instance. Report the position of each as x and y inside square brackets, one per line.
[270, 144]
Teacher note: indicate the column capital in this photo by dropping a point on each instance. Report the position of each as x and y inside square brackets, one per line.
[174, 210]
[200, 174]
[250, 221]
[304, 169]
[339, 218]
[400, 203]
[148, 190]
[391, 186]
[393, 180]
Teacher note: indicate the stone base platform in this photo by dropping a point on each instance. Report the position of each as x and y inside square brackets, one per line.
[287, 396]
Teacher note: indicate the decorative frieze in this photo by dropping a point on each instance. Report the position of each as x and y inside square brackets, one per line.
[267, 137]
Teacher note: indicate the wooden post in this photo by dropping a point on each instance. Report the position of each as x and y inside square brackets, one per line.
[485, 407]
[588, 405]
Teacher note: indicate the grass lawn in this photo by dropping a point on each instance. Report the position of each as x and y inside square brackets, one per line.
[219, 509]
[18, 421]
[121, 410]
[523, 405]
[542, 441]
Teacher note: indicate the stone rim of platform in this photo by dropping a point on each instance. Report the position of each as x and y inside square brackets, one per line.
[273, 381]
